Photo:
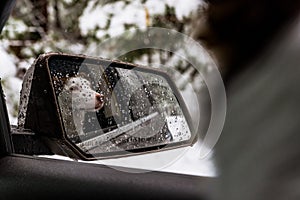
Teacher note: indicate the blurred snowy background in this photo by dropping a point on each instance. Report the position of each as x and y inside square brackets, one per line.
[78, 26]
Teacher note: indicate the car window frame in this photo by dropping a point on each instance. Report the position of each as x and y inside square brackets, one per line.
[6, 146]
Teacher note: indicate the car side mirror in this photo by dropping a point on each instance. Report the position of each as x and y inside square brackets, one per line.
[95, 108]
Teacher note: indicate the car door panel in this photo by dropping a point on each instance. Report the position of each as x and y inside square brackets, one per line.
[25, 177]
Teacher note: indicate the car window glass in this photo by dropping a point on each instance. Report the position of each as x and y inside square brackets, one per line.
[84, 27]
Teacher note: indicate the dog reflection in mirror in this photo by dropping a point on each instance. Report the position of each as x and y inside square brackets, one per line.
[75, 99]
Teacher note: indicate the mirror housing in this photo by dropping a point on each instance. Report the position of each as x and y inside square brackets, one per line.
[41, 109]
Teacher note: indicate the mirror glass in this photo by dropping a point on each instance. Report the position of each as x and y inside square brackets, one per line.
[112, 108]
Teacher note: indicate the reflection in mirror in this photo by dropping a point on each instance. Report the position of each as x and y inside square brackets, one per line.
[108, 108]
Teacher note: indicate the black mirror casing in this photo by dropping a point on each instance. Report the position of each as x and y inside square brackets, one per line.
[39, 110]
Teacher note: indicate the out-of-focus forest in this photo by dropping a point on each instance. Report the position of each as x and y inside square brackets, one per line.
[78, 26]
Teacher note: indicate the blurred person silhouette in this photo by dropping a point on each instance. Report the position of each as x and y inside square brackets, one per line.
[257, 46]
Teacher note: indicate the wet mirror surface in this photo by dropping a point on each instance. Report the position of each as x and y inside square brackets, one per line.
[111, 109]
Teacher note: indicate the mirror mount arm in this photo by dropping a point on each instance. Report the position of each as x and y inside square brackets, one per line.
[28, 143]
